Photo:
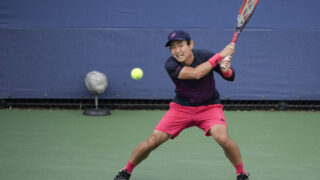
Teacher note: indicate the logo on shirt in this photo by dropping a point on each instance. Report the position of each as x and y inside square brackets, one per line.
[222, 120]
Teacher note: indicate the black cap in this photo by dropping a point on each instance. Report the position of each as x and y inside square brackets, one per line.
[178, 35]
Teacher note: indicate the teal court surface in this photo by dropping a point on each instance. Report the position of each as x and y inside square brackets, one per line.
[66, 145]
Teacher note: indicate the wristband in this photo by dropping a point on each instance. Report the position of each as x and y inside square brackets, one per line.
[227, 74]
[214, 60]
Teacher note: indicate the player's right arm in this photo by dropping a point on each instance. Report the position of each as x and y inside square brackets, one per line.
[201, 70]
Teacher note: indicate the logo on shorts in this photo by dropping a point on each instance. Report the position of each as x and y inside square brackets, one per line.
[222, 120]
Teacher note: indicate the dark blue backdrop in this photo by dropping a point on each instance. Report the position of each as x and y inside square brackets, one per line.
[48, 46]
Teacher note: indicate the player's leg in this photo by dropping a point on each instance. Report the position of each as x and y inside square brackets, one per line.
[220, 134]
[212, 121]
[172, 123]
[141, 152]
[231, 149]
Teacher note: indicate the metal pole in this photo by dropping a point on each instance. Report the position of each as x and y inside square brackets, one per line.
[96, 101]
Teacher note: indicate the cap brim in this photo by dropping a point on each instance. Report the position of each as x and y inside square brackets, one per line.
[176, 39]
[168, 43]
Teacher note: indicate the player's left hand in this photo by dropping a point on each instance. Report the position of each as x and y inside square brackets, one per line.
[226, 63]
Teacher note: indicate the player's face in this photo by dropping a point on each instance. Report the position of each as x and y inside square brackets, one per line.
[182, 52]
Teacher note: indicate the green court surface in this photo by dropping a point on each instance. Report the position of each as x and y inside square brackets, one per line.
[66, 145]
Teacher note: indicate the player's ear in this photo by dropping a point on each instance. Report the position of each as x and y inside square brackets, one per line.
[191, 44]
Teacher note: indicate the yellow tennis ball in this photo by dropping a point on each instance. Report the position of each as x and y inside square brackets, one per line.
[136, 73]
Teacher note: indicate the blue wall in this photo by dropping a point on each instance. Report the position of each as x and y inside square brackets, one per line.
[48, 46]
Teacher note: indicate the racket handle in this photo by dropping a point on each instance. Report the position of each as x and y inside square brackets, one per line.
[224, 59]
[234, 40]
[235, 37]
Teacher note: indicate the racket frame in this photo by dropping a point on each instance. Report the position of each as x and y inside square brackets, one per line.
[239, 29]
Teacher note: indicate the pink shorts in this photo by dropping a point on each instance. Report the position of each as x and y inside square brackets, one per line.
[181, 117]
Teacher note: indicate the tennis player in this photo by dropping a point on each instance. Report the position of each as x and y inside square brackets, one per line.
[196, 102]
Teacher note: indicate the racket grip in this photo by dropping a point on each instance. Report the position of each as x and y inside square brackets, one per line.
[226, 58]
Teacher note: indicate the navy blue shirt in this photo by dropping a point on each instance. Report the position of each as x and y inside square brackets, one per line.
[192, 92]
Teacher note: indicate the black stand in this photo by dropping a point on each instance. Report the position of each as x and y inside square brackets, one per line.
[96, 111]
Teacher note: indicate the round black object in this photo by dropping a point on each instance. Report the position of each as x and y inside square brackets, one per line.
[96, 112]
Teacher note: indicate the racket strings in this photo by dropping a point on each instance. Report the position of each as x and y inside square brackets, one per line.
[246, 12]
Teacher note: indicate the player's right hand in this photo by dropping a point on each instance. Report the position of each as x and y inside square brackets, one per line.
[228, 50]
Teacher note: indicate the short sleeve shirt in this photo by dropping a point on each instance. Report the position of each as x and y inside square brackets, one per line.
[192, 92]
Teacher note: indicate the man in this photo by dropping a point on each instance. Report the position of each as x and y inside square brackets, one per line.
[196, 102]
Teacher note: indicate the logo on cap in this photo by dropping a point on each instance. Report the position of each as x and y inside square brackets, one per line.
[173, 35]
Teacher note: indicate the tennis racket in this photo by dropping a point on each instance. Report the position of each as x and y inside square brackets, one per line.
[245, 13]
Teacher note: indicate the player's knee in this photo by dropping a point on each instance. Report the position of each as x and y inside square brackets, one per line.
[222, 139]
[153, 142]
